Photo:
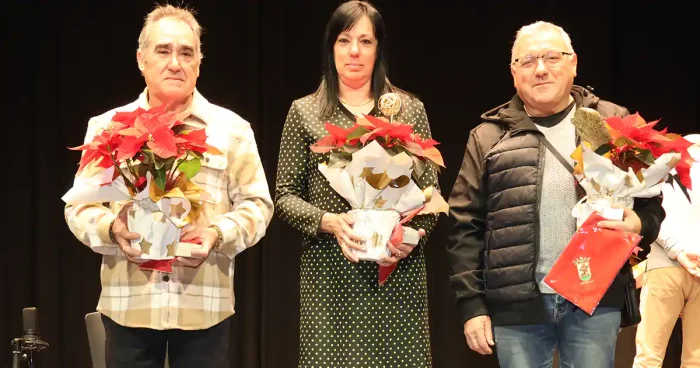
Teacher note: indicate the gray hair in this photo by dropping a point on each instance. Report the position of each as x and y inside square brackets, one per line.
[537, 27]
[168, 11]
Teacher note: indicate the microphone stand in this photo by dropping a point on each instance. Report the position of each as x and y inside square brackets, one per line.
[25, 348]
[16, 353]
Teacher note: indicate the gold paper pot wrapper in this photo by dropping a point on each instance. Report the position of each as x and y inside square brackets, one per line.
[382, 180]
[186, 189]
[434, 202]
[591, 127]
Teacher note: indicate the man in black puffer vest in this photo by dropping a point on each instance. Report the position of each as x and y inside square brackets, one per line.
[511, 211]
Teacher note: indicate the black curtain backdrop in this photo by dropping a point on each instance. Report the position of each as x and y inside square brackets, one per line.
[67, 61]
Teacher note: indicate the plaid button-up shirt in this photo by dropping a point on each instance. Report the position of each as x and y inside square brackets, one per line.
[188, 298]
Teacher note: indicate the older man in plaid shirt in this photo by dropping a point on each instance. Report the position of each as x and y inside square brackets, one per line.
[189, 309]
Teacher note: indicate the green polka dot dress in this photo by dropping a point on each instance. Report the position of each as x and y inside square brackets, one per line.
[347, 319]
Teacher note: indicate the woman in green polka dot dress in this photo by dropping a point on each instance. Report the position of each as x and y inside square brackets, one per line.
[347, 318]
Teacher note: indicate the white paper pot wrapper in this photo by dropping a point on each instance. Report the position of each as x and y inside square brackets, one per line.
[410, 236]
[376, 227]
[603, 205]
[159, 236]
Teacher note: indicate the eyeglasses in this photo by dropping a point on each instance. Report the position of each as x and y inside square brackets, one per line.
[552, 58]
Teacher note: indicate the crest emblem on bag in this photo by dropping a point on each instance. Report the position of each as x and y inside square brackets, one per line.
[584, 268]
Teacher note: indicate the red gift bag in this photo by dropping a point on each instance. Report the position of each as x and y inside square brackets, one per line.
[590, 262]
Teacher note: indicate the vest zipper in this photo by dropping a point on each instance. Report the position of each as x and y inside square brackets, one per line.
[538, 200]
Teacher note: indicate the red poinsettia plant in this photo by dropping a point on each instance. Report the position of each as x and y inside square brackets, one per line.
[636, 144]
[395, 137]
[152, 141]
[632, 142]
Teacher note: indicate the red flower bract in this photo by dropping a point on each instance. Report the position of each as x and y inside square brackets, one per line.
[128, 117]
[102, 148]
[194, 140]
[152, 128]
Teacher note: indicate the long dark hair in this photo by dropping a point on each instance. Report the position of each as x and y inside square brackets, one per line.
[344, 18]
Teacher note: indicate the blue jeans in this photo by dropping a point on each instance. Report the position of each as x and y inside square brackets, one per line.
[582, 340]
